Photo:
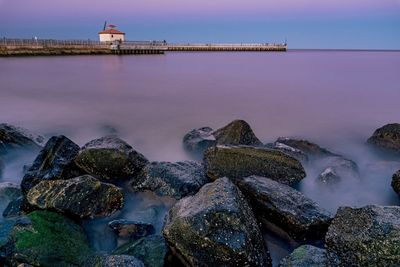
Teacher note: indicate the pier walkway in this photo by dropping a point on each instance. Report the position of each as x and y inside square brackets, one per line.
[26, 47]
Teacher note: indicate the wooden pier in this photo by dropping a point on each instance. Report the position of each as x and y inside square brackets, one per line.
[41, 47]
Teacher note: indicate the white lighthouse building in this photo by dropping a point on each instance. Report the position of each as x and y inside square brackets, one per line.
[110, 34]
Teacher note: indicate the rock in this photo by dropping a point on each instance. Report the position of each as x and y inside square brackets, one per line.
[131, 229]
[396, 182]
[367, 236]
[12, 137]
[9, 192]
[114, 261]
[14, 208]
[216, 227]
[238, 132]
[285, 207]
[176, 180]
[307, 147]
[306, 256]
[291, 151]
[110, 159]
[6, 232]
[337, 168]
[2, 166]
[387, 138]
[151, 250]
[198, 140]
[50, 240]
[83, 197]
[237, 162]
[54, 162]
[328, 176]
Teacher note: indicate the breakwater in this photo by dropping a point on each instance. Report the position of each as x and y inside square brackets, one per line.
[41, 47]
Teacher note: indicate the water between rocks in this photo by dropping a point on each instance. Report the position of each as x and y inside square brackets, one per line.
[334, 98]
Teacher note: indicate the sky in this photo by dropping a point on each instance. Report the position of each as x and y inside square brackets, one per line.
[337, 24]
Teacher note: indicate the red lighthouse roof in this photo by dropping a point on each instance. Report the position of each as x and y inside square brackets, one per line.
[111, 31]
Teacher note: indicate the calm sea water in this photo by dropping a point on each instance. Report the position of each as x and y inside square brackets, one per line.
[335, 99]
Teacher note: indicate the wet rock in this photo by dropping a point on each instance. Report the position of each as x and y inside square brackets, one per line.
[396, 182]
[387, 138]
[237, 162]
[367, 236]
[216, 227]
[83, 197]
[110, 159]
[14, 208]
[337, 168]
[285, 207]
[2, 165]
[198, 140]
[131, 229]
[306, 256]
[55, 161]
[176, 180]
[238, 132]
[114, 261]
[329, 176]
[49, 240]
[151, 250]
[291, 151]
[307, 147]
[9, 192]
[12, 137]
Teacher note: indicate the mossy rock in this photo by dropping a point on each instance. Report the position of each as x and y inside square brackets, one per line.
[110, 159]
[237, 162]
[51, 240]
[151, 250]
[306, 256]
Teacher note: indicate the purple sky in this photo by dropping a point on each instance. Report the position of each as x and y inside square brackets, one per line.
[305, 23]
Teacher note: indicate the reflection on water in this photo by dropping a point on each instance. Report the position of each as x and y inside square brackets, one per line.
[335, 99]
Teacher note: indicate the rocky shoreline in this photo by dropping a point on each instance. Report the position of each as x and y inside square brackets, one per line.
[220, 205]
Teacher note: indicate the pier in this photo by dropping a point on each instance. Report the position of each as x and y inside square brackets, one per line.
[42, 47]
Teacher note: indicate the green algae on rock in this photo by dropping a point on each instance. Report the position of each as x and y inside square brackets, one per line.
[51, 240]
[83, 197]
[152, 250]
[110, 158]
[237, 162]
[306, 256]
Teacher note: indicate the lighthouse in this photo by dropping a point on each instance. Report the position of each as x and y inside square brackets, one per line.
[111, 34]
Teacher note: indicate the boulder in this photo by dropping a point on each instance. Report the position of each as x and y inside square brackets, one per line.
[152, 250]
[49, 240]
[12, 137]
[337, 168]
[114, 261]
[306, 256]
[387, 138]
[6, 232]
[216, 227]
[396, 182]
[83, 197]
[14, 208]
[176, 180]
[291, 151]
[131, 229]
[285, 207]
[367, 236]
[307, 147]
[110, 158]
[55, 161]
[9, 192]
[238, 132]
[198, 140]
[237, 162]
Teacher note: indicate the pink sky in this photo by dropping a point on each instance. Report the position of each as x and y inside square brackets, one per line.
[185, 7]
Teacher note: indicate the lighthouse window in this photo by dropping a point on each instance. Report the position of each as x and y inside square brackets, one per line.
[112, 35]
